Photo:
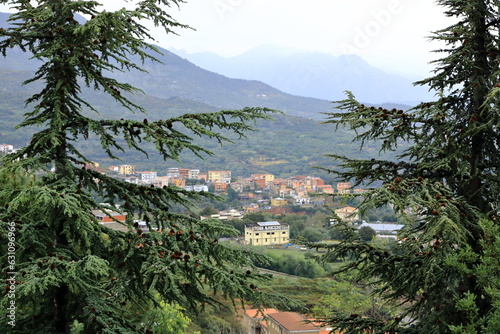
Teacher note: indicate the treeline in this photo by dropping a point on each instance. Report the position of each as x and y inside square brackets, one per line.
[307, 267]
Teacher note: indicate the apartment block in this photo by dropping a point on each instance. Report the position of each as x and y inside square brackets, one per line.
[220, 187]
[267, 233]
[173, 172]
[219, 176]
[193, 174]
[126, 169]
[147, 177]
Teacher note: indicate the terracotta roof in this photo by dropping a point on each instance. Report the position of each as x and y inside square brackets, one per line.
[256, 313]
[292, 321]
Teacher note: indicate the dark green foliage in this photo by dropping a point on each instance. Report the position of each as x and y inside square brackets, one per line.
[321, 297]
[313, 234]
[444, 187]
[336, 233]
[73, 273]
[292, 265]
[366, 233]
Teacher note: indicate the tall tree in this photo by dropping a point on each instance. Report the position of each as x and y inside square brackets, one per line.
[444, 185]
[67, 272]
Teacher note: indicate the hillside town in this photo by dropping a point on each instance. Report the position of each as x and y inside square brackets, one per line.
[257, 193]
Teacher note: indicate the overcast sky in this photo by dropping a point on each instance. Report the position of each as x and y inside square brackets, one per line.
[390, 34]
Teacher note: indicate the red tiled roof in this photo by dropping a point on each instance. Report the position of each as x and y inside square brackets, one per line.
[256, 313]
[292, 321]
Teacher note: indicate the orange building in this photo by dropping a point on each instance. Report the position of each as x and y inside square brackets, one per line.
[220, 187]
[177, 181]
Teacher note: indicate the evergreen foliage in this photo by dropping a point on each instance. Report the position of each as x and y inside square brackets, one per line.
[71, 273]
[366, 233]
[444, 187]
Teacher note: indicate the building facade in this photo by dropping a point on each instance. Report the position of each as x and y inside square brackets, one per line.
[126, 169]
[267, 233]
[348, 214]
[147, 177]
[343, 188]
[219, 176]
[289, 322]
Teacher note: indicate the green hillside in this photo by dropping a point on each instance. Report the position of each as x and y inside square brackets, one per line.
[288, 146]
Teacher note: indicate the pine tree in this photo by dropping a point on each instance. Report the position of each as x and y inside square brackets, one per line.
[444, 185]
[66, 272]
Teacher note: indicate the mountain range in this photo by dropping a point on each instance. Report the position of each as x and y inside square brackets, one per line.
[313, 74]
[289, 146]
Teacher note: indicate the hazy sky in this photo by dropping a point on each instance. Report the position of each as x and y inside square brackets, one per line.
[390, 34]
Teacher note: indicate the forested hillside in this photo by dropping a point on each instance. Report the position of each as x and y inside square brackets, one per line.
[288, 146]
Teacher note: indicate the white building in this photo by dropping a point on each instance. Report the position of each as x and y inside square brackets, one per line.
[147, 177]
[4, 148]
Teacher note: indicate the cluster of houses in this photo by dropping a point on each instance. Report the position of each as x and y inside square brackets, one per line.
[259, 190]
[178, 177]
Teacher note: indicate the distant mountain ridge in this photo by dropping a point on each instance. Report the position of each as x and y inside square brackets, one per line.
[289, 146]
[178, 77]
[313, 74]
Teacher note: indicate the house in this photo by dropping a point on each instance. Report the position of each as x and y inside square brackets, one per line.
[343, 188]
[348, 214]
[325, 189]
[287, 193]
[314, 182]
[267, 233]
[111, 219]
[260, 183]
[161, 181]
[197, 188]
[278, 201]
[253, 319]
[288, 323]
[271, 321]
[252, 207]
[302, 200]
